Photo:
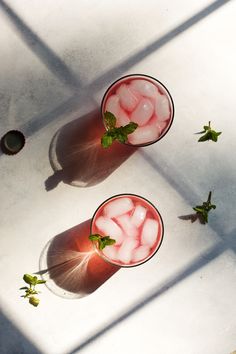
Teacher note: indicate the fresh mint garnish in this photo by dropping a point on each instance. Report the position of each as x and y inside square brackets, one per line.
[31, 291]
[209, 134]
[102, 241]
[203, 210]
[114, 133]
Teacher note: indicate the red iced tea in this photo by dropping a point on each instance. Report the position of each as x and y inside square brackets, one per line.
[142, 100]
[134, 223]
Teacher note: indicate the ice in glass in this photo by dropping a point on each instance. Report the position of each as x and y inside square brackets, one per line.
[134, 223]
[143, 100]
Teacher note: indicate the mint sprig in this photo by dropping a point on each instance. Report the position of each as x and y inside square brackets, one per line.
[209, 134]
[203, 210]
[102, 241]
[30, 291]
[114, 133]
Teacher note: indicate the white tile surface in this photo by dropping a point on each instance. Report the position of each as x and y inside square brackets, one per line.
[54, 72]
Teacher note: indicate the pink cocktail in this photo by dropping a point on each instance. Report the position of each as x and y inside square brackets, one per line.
[143, 100]
[136, 226]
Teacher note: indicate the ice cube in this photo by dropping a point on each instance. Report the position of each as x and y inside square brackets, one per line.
[112, 105]
[110, 252]
[138, 216]
[143, 135]
[129, 229]
[140, 253]
[162, 125]
[162, 108]
[144, 87]
[109, 228]
[149, 232]
[142, 112]
[128, 100]
[122, 118]
[118, 207]
[125, 251]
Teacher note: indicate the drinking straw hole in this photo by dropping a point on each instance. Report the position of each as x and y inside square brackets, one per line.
[12, 142]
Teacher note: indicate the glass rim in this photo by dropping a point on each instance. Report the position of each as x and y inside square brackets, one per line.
[169, 97]
[142, 261]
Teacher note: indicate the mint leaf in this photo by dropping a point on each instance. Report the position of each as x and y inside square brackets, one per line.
[130, 128]
[209, 134]
[121, 137]
[103, 241]
[94, 237]
[198, 209]
[102, 245]
[108, 241]
[115, 133]
[106, 140]
[34, 301]
[205, 137]
[28, 279]
[41, 281]
[110, 120]
[35, 279]
[203, 210]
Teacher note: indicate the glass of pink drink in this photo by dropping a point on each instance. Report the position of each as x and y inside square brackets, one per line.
[143, 100]
[136, 226]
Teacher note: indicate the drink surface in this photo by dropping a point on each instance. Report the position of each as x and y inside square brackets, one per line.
[135, 225]
[143, 101]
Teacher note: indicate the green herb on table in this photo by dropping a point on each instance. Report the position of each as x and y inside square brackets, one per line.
[30, 290]
[203, 210]
[209, 134]
[102, 241]
[114, 133]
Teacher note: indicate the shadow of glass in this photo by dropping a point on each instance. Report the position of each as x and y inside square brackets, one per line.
[77, 157]
[71, 266]
[48, 57]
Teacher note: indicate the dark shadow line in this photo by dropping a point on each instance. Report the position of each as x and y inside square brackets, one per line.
[189, 196]
[149, 49]
[12, 340]
[44, 53]
[159, 166]
[41, 120]
[57, 66]
[197, 264]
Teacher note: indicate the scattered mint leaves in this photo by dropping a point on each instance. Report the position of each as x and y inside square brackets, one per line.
[114, 133]
[203, 210]
[31, 291]
[102, 241]
[209, 134]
